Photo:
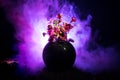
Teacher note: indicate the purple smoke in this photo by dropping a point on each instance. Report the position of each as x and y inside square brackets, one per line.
[31, 18]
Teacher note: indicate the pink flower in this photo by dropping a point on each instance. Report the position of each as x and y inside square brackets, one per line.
[59, 16]
[73, 19]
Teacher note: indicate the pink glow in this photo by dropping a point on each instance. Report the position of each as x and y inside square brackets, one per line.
[33, 22]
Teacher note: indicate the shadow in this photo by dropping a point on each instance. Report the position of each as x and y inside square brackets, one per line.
[13, 72]
[7, 39]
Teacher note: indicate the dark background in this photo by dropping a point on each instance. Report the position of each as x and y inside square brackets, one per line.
[104, 22]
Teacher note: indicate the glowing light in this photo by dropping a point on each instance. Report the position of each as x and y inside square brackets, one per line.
[36, 16]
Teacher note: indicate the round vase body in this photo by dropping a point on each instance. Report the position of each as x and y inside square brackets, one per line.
[59, 55]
